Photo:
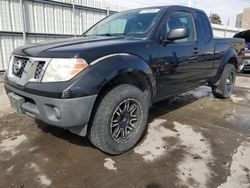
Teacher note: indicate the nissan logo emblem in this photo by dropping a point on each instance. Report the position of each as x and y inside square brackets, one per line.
[17, 65]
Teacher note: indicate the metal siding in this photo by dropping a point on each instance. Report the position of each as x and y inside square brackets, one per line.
[39, 18]
[18, 41]
[15, 16]
[7, 47]
[49, 19]
[1, 56]
[97, 4]
[29, 17]
[77, 21]
[84, 20]
[58, 13]
[84, 2]
[5, 15]
[67, 15]
[90, 21]
[90, 3]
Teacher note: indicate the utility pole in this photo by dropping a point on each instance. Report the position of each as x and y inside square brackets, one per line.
[108, 11]
[74, 17]
[23, 22]
[194, 3]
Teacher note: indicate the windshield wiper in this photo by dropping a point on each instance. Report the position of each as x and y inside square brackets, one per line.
[112, 34]
[108, 35]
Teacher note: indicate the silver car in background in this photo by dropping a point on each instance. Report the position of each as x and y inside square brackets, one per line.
[245, 35]
[247, 58]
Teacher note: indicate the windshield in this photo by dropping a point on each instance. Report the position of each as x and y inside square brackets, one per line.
[137, 23]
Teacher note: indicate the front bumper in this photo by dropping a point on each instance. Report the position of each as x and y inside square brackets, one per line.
[66, 113]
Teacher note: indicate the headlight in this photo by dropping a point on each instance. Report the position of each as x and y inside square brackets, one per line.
[63, 69]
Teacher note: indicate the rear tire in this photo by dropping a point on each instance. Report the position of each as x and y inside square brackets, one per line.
[226, 83]
[120, 119]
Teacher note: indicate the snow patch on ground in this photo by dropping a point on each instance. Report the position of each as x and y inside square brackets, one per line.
[242, 82]
[34, 166]
[109, 164]
[43, 179]
[5, 134]
[11, 144]
[203, 91]
[237, 99]
[230, 118]
[10, 169]
[33, 148]
[154, 145]
[193, 170]
[240, 168]
[5, 104]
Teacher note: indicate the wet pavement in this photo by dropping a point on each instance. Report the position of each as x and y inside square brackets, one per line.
[194, 140]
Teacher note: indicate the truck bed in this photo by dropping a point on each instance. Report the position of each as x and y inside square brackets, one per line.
[229, 40]
[221, 46]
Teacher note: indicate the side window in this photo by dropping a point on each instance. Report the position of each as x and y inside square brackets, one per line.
[181, 19]
[204, 28]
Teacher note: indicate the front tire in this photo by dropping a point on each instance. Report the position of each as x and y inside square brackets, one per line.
[226, 83]
[120, 119]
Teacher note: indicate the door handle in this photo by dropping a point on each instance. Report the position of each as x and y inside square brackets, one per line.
[195, 51]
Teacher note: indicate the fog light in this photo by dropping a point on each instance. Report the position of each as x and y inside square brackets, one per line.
[57, 113]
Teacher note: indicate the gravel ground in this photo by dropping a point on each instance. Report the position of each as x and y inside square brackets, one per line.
[193, 141]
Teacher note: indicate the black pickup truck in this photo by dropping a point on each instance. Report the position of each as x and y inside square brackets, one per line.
[103, 83]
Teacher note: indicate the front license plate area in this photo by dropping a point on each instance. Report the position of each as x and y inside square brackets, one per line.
[16, 101]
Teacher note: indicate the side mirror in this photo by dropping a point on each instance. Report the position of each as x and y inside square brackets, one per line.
[178, 33]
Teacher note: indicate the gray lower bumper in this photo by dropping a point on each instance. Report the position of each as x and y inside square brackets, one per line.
[66, 113]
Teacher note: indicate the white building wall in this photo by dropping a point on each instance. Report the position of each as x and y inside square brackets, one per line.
[224, 31]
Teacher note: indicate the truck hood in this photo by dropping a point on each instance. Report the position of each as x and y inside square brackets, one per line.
[81, 47]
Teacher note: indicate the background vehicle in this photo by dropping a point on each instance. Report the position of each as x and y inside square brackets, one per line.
[103, 83]
[245, 35]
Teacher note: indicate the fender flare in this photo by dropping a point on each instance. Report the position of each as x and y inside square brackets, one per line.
[230, 53]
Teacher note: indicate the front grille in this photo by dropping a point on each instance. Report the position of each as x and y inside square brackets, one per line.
[18, 66]
[27, 69]
[39, 69]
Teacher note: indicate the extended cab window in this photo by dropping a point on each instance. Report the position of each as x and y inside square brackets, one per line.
[204, 28]
[180, 19]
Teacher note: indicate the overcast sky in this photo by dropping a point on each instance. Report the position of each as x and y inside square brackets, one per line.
[227, 9]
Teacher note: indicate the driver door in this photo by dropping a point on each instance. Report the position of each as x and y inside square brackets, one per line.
[177, 62]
